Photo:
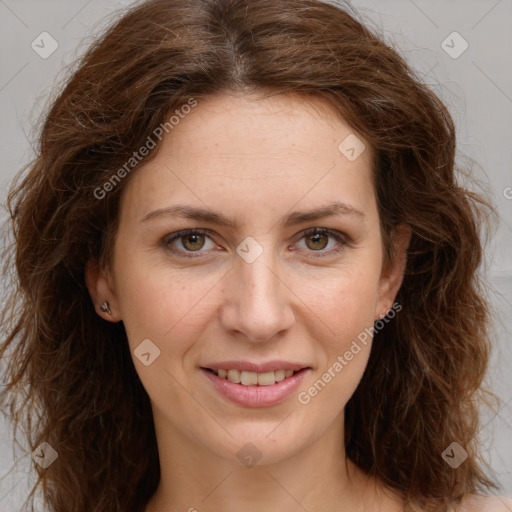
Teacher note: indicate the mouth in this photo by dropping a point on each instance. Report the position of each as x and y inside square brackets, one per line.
[255, 385]
[248, 378]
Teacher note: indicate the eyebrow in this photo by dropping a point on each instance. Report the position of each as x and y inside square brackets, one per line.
[291, 219]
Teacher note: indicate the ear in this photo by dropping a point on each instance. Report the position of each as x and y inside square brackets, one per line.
[391, 277]
[98, 282]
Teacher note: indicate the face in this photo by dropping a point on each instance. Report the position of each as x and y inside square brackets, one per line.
[250, 246]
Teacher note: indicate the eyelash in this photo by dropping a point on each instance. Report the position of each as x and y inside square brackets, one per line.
[339, 237]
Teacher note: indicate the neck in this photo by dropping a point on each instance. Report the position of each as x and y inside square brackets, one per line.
[319, 477]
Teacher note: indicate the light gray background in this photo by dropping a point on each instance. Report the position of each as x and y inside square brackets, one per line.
[476, 86]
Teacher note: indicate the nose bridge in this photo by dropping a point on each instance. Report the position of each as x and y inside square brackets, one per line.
[258, 303]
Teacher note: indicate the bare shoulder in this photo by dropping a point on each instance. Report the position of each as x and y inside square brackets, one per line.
[476, 503]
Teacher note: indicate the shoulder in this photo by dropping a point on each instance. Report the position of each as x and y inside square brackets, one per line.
[477, 503]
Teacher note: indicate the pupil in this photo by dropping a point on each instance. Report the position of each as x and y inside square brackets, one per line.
[316, 240]
[194, 241]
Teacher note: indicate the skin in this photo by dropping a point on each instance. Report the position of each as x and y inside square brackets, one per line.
[252, 160]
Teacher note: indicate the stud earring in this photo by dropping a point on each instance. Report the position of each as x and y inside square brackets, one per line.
[105, 308]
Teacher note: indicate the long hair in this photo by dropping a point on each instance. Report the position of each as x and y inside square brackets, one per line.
[69, 377]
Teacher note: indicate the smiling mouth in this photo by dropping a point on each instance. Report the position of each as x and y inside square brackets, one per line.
[246, 378]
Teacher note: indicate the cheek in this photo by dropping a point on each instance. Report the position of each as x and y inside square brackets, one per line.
[346, 299]
[159, 303]
[346, 306]
[163, 303]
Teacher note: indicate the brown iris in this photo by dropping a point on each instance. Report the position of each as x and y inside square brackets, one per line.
[193, 241]
[317, 241]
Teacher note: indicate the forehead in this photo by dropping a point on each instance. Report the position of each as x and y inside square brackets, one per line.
[239, 126]
[234, 150]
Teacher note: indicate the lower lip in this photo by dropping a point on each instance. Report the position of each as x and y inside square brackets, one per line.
[256, 396]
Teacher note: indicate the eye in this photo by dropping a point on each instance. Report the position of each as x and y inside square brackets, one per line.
[188, 241]
[192, 241]
[317, 239]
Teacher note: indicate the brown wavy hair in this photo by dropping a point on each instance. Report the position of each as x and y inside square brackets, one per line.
[69, 376]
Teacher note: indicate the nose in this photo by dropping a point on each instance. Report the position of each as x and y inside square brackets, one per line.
[257, 299]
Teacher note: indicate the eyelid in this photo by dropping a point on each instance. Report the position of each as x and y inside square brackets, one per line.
[339, 236]
[172, 237]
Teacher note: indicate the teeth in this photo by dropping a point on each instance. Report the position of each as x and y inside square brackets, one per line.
[253, 378]
[234, 376]
[279, 375]
[266, 379]
[248, 378]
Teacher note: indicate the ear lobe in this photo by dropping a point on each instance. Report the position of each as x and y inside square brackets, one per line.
[100, 290]
[392, 276]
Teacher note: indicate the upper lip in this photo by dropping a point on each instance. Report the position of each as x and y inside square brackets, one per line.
[247, 366]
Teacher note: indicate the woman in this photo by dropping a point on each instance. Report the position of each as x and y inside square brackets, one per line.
[246, 274]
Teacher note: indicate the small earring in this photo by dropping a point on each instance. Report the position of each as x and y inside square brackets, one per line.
[105, 308]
